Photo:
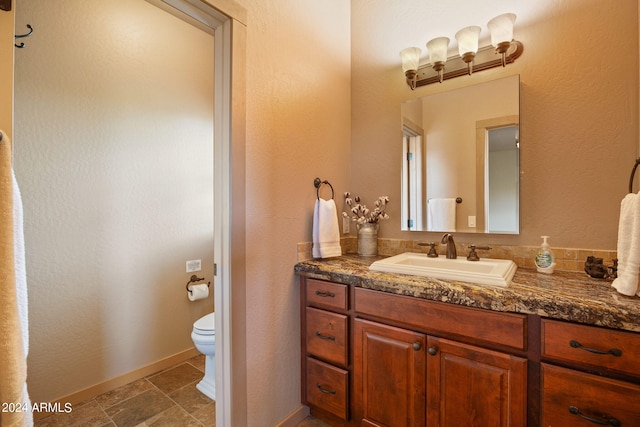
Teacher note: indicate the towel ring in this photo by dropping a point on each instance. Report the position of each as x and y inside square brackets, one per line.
[194, 279]
[633, 173]
[317, 183]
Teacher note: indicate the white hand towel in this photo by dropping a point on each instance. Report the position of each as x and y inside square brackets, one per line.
[326, 235]
[20, 264]
[441, 215]
[628, 246]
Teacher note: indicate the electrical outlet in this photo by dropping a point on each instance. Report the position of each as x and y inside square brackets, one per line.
[194, 265]
[472, 221]
[345, 225]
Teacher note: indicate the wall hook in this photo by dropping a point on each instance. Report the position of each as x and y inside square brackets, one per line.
[21, 45]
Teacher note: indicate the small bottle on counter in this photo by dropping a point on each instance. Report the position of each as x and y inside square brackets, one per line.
[545, 261]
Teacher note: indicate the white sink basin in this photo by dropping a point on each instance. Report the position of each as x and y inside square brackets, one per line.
[497, 272]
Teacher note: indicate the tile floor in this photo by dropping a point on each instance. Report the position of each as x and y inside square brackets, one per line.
[167, 398]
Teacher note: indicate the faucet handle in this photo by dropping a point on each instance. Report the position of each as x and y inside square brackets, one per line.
[432, 249]
[473, 255]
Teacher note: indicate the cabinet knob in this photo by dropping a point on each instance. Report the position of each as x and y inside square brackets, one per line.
[417, 345]
[432, 350]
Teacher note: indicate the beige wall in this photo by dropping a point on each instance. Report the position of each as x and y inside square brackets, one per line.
[579, 113]
[113, 151]
[298, 128]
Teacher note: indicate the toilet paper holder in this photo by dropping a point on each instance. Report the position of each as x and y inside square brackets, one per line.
[195, 279]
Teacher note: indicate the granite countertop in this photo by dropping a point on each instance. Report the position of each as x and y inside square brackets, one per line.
[563, 295]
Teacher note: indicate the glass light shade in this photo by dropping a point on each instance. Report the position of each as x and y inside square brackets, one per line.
[410, 58]
[468, 40]
[438, 49]
[501, 28]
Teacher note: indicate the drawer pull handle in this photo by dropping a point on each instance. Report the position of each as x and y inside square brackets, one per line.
[324, 390]
[325, 337]
[325, 294]
[417, 345]
[614, 351]
[432, 350]
[606, 422]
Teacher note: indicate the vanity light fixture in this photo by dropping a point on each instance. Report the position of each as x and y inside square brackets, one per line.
[470, 58]
[468, 45]
[410, 60]
[438, 49]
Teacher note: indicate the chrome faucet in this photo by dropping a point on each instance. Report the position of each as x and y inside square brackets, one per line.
[451, 246]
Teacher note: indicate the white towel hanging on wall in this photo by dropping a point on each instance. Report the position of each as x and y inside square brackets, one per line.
[628, 246]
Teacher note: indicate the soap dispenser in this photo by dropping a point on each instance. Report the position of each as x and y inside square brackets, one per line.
[545, 261]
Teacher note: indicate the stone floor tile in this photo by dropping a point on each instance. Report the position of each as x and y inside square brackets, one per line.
[88, 414]
[206, 415]
[132, 412]
[175, 378]
[123, 393]
[172, 417]
[190, 398]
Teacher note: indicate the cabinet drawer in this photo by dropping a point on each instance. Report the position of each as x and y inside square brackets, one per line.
[326, 294]
[436, 317]
[327, 387]
[604, 348]
[570, 397]
[327, 335]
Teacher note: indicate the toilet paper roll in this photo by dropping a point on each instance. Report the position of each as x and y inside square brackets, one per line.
[198, 292]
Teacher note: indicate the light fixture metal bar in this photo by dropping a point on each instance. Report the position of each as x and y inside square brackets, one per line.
[427, 76]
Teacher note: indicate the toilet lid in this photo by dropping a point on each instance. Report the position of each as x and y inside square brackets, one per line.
[206, 325]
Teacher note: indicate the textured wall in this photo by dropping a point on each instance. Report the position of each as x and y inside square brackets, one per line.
[298, 128]
[579, 108]
[113, 151]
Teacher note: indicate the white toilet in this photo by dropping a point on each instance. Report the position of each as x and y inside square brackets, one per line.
[204, 338]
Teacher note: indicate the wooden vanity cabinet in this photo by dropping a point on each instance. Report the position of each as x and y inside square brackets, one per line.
[325, 360]
[577, 393]
[376, 359]
[411, 377]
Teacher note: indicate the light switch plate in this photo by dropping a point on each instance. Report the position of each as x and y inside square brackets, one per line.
[345, 225]
[194, 265]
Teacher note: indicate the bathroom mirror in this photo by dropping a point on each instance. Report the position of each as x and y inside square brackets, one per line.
[460, 160]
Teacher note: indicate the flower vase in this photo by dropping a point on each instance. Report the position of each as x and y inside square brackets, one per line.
[368, 239]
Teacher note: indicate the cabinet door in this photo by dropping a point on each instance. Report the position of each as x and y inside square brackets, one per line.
[389, 375]
[471, 386]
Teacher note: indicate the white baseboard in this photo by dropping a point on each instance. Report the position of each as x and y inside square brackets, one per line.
[113, 383]
[295, 417]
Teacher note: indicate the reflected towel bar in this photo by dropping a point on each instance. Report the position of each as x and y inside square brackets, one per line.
[458, 200]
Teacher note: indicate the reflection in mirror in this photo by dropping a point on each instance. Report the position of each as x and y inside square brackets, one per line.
[462, 144]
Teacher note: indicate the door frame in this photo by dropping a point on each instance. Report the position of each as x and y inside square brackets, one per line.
[227, 20]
